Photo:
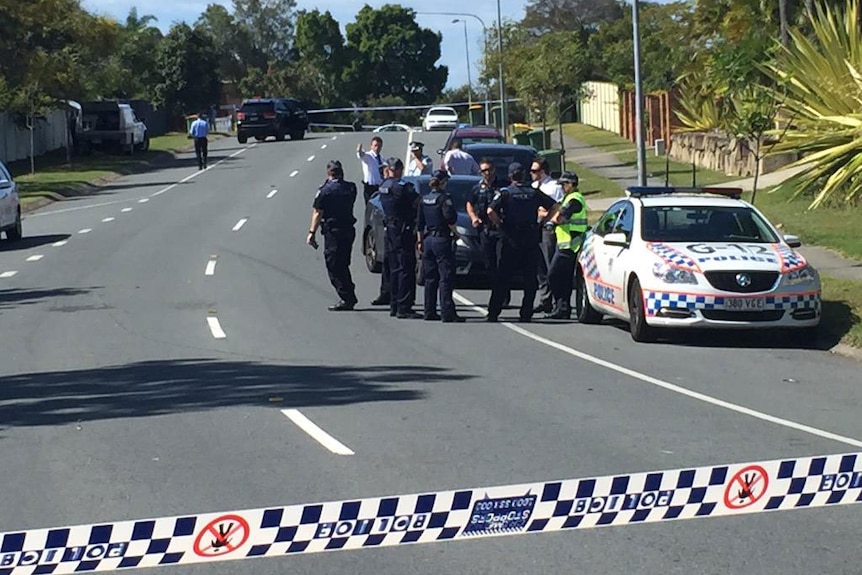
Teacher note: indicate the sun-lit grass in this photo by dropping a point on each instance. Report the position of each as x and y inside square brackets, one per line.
[679, 174]
[842, 310]
[593, 185]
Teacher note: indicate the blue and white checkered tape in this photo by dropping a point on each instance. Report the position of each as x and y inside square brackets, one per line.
[444, 516]
[655, 300]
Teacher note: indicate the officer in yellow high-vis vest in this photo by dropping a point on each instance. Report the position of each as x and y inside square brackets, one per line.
[570, 225]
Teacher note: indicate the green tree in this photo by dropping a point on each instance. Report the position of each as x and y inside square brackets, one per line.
[270, 23]
[320, 56]
[390, 55]
[570, 15]
[233, 42]
[189, 65]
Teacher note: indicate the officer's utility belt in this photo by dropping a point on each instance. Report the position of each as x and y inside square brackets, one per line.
[438, 233]
[397, 224]
[519, 229]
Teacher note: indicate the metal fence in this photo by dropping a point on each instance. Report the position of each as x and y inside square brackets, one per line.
[49, 133]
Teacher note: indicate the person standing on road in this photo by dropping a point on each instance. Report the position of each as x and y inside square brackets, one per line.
[477, 209]
[458, 162]
[569, 223]
[199, 130]
[513, 209]
[372, 167]
[543, 181]
[399, 201]
[419, 164]
[436, 233]
[333, 213]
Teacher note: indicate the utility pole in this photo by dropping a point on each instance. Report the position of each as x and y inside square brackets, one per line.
[639, 97]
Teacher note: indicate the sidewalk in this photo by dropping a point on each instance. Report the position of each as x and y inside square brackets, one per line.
[606, 164]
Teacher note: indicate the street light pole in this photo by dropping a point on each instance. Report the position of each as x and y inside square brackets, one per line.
[639, 99]
[503, 108]
[469, 80]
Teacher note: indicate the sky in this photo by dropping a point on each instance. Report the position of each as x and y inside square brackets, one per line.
[453, 47]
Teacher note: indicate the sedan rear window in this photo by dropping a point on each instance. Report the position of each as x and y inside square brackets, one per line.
[704, 224]
[442, 113]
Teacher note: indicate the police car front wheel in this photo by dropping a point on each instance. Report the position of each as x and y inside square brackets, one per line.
[641, 332]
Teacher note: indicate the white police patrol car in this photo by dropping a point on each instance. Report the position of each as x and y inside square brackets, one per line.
[693, 257]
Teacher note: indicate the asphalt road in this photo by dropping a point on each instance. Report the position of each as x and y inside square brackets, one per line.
[118, 402]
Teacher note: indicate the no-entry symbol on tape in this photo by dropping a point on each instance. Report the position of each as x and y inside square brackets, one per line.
[746, 487]
[222, 536]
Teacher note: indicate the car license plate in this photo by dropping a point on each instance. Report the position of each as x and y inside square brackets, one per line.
[744, 303]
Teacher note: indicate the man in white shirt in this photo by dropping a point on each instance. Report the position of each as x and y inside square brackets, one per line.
[372, 166]
[457, 161]
[543, 181]
[419, 163]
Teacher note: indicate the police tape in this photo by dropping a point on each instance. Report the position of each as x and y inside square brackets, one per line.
[444, 516]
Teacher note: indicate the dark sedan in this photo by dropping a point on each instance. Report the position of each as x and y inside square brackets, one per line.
[502, 155]
[468, 253]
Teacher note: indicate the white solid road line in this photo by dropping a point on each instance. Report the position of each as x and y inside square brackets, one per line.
[311, 158]
[210, 270]
[316, 433]
[271, 194]
[60, 243]
[215, 327]
[8, 274]
[125, 210]
[35, 258]
[85, 231]
[293, 173]
[240, 224]
[668, 386]
[106, 220]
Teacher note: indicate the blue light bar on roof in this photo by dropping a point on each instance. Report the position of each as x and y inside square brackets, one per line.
[641, 191]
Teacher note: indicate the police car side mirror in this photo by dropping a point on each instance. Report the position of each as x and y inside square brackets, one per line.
[793, 241]
[616, 239]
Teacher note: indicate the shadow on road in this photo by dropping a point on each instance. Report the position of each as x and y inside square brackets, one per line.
[176, 386]
[28, 242]
[13, 297]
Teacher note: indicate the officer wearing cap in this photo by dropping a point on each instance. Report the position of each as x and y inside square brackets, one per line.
[513, 209]
[419, 164]
[399, 200]
[436, 231]
[569, 223]
[333, 213]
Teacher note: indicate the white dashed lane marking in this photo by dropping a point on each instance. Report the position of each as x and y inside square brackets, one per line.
[143, 200]
[323, 147]
[215, 327]
[240, 224]
[271, 194]
[85, 231]
[60, 243]
[311, 158]
[35, 258]
[293, 173]
[106, 220]
[210, 269]
[125, 210]
[8, 274]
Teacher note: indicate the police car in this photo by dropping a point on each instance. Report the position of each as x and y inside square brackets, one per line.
[693, 257]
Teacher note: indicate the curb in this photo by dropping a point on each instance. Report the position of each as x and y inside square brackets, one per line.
[847, 351]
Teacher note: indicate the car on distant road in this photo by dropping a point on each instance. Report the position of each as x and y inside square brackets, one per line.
[694, 258]
[440, 118]
[392, 127]
[502, 155]
[260, 118]
[468, 252]
[10, 206]
[472, 135]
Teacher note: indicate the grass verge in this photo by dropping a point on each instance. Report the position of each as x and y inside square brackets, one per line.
[593, 185]
[55, 179]
[678, 173]
[842, 311]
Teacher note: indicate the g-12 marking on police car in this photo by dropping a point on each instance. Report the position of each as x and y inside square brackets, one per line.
[689, 257]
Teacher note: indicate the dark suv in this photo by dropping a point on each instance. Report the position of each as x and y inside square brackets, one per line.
[278, 117]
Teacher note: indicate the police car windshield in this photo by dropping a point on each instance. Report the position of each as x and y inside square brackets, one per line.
[704, 224]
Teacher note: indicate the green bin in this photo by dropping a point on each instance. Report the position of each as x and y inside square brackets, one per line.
[540, 139]
[555, 159]
[522, 139]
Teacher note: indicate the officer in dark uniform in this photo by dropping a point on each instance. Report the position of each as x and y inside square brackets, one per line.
[333, 213]
[400, 200]
[477, 209]
[436, 232]
[513, 209]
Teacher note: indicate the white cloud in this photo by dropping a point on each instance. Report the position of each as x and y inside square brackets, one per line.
[452, 48]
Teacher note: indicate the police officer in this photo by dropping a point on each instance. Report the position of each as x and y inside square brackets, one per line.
[400, 200]
[436, 232]
[513, 209]
[477, 209]
[333, 213]
[569, 223]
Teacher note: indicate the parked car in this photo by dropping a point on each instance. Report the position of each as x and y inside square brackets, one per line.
[473, 135]
[502, 155]
[440, 118]
[260, 118]
[468, 252]
[10, 206]
[392, 127]
[111, 124]
[694, 258]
